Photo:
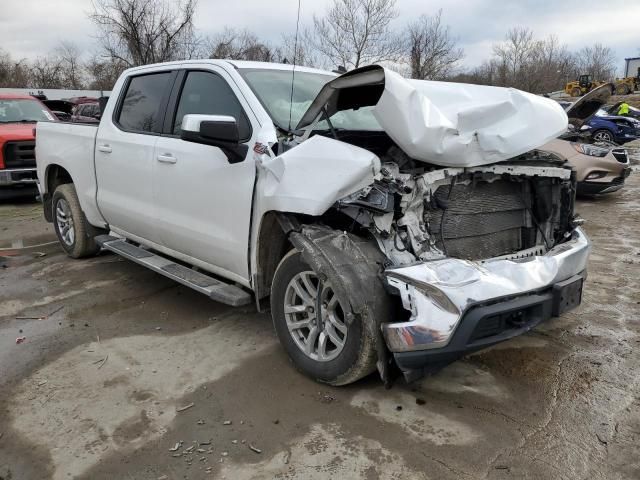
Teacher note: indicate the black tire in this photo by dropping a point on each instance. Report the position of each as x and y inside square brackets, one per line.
[602, 136]
[82, 244]
[357, 358]
[576, 92]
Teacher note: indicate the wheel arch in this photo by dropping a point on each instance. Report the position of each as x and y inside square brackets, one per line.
[272, 246]
[54, 175]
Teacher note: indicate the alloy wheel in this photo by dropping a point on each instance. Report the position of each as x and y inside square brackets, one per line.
[314, 317]
[64, 221]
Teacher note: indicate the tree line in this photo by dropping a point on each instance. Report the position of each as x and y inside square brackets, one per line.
[350, 34]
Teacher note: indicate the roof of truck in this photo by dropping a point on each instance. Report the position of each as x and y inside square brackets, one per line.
[240, 64]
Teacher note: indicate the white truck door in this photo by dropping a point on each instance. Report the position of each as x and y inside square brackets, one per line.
[203, 201]
[125, 155]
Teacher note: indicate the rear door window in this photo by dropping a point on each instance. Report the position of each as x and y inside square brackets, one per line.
[143, 103]
[209, 94]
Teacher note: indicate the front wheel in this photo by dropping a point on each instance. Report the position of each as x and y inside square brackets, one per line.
[70, 224]
[311, 323]
[602, 136]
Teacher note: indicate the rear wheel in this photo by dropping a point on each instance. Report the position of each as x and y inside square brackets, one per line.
[70, 224]
[311, 323]
[602, 136]
[623, 89]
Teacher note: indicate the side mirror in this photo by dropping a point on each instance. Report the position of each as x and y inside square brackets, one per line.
[216, 130]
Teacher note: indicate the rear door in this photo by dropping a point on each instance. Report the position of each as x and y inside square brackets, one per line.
[125, 154]
[203, 201]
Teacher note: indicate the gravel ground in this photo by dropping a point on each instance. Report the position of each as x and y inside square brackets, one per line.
[124, 374]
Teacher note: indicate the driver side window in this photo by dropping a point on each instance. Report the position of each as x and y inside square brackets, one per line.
[209, 94]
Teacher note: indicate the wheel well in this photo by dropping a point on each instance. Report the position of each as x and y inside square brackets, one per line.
[272, 244]
[55, 175]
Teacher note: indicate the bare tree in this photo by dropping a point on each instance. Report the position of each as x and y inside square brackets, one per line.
[432, 51]
[597, 60]
[550, 66]
[521, 61]
[46, 72]
[72, 69]
[356, 32]
[238, 45]
[13, 74]
[514, 54]
[103, 74]
[139, 32]
[300, 54]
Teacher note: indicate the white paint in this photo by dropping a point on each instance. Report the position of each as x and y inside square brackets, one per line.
[463, 125]
[311, 177]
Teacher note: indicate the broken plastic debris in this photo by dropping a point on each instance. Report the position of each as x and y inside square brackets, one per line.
[175, 447]
[227, 422]
[257, 450]
[20, 340]
[186, 407]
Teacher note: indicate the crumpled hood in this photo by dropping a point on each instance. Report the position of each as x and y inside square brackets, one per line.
[443, 123]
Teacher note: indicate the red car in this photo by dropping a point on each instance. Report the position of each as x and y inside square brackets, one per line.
[18, 116]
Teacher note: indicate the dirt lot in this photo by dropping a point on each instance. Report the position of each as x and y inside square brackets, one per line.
[124, 374]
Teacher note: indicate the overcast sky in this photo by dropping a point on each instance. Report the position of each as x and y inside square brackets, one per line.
[29, 28]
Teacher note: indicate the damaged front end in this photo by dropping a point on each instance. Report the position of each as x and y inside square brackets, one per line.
[476, 255]
[448, 213]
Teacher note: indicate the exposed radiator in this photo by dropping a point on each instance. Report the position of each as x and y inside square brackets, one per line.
[481, 220]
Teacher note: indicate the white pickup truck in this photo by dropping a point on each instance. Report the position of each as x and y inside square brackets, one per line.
[395, 224]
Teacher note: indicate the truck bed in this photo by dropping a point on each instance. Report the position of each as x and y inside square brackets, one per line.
[70, 146]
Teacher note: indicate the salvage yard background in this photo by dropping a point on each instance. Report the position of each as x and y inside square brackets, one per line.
[124, 374]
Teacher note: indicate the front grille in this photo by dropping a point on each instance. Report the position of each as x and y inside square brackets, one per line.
[621, 155]
[481, 220]
[20, 154]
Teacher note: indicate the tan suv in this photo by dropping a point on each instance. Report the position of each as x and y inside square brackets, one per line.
[600, 167]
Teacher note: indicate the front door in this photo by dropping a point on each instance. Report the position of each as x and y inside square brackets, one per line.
[203, 202]
[125, 155]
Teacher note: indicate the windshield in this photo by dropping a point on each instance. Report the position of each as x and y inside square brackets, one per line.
[23, 110]
[273, 89]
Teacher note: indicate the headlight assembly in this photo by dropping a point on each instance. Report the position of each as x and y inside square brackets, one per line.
[590, 150]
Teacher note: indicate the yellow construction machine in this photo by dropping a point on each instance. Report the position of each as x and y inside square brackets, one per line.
[625, 86]
[582, 86]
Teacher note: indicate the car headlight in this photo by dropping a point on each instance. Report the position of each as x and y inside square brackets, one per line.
[590, 150]
[585, 127]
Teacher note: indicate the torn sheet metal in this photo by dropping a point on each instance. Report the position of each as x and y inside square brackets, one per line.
[311, 177]
[443, 123]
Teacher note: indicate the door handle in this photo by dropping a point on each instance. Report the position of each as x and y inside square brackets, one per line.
[166, 158]
[104, 148]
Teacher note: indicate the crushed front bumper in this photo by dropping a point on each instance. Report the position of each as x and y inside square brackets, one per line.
[457, 306]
